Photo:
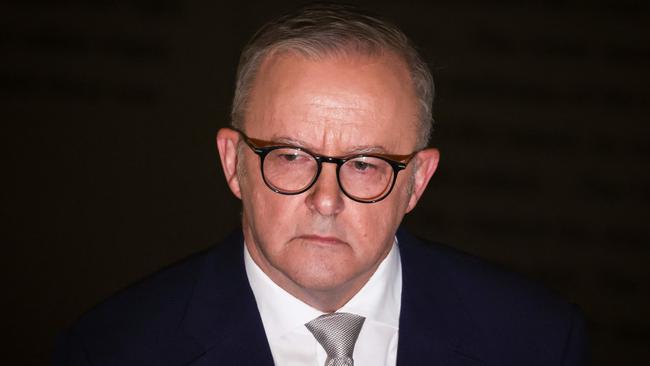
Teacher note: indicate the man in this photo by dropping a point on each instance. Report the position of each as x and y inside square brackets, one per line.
[331, 117]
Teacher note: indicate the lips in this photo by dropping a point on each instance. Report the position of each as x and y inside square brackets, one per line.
[323, 240]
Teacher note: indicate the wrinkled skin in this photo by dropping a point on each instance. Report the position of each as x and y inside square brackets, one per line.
[320, 246]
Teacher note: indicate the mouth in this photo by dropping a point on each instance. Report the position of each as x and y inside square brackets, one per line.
[322, 240]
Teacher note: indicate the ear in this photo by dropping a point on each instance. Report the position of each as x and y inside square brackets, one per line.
[426, 165]
[227, 140]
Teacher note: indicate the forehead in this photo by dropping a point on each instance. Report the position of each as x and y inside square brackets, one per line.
[334, 103]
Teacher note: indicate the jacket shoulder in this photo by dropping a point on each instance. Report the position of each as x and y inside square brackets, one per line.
[510, 316]
[142, 324]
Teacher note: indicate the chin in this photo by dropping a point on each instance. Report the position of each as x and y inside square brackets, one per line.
[321, 285]
[328, 279]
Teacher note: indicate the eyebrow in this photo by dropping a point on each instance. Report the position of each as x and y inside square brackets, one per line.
[358, 149]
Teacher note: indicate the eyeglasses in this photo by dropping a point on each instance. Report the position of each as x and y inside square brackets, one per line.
[291, 170]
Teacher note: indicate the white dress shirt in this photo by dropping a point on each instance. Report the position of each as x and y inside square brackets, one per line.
[284, 317]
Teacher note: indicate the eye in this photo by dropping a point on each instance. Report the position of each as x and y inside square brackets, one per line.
[289, 157]
[361, 165]
[364, 165]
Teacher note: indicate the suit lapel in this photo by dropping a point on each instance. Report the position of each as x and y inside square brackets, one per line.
[434, 328]
[222, 315]
[223, 326]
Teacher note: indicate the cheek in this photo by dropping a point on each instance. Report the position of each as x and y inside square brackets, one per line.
[380, 220]
[373, 227]
[252, 185]
[404, 188]
[269, 214]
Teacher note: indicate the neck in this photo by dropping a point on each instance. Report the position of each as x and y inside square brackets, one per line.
[328, 300]
[326, 297]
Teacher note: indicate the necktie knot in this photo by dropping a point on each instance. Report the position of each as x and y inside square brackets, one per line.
[337, 333]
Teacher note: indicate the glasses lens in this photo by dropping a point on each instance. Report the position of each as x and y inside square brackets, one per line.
[289, 170]
[366, 178]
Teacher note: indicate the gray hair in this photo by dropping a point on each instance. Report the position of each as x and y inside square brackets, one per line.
[321, 30]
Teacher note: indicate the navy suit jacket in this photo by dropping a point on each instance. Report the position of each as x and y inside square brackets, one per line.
[456, 310]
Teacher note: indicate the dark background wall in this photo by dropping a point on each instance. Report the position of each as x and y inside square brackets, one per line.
[109, 111]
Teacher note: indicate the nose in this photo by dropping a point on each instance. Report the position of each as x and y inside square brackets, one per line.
[325, 196]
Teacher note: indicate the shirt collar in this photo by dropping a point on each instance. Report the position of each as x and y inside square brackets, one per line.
[378, 300]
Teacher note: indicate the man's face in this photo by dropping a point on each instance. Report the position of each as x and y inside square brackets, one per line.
[320, 244]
